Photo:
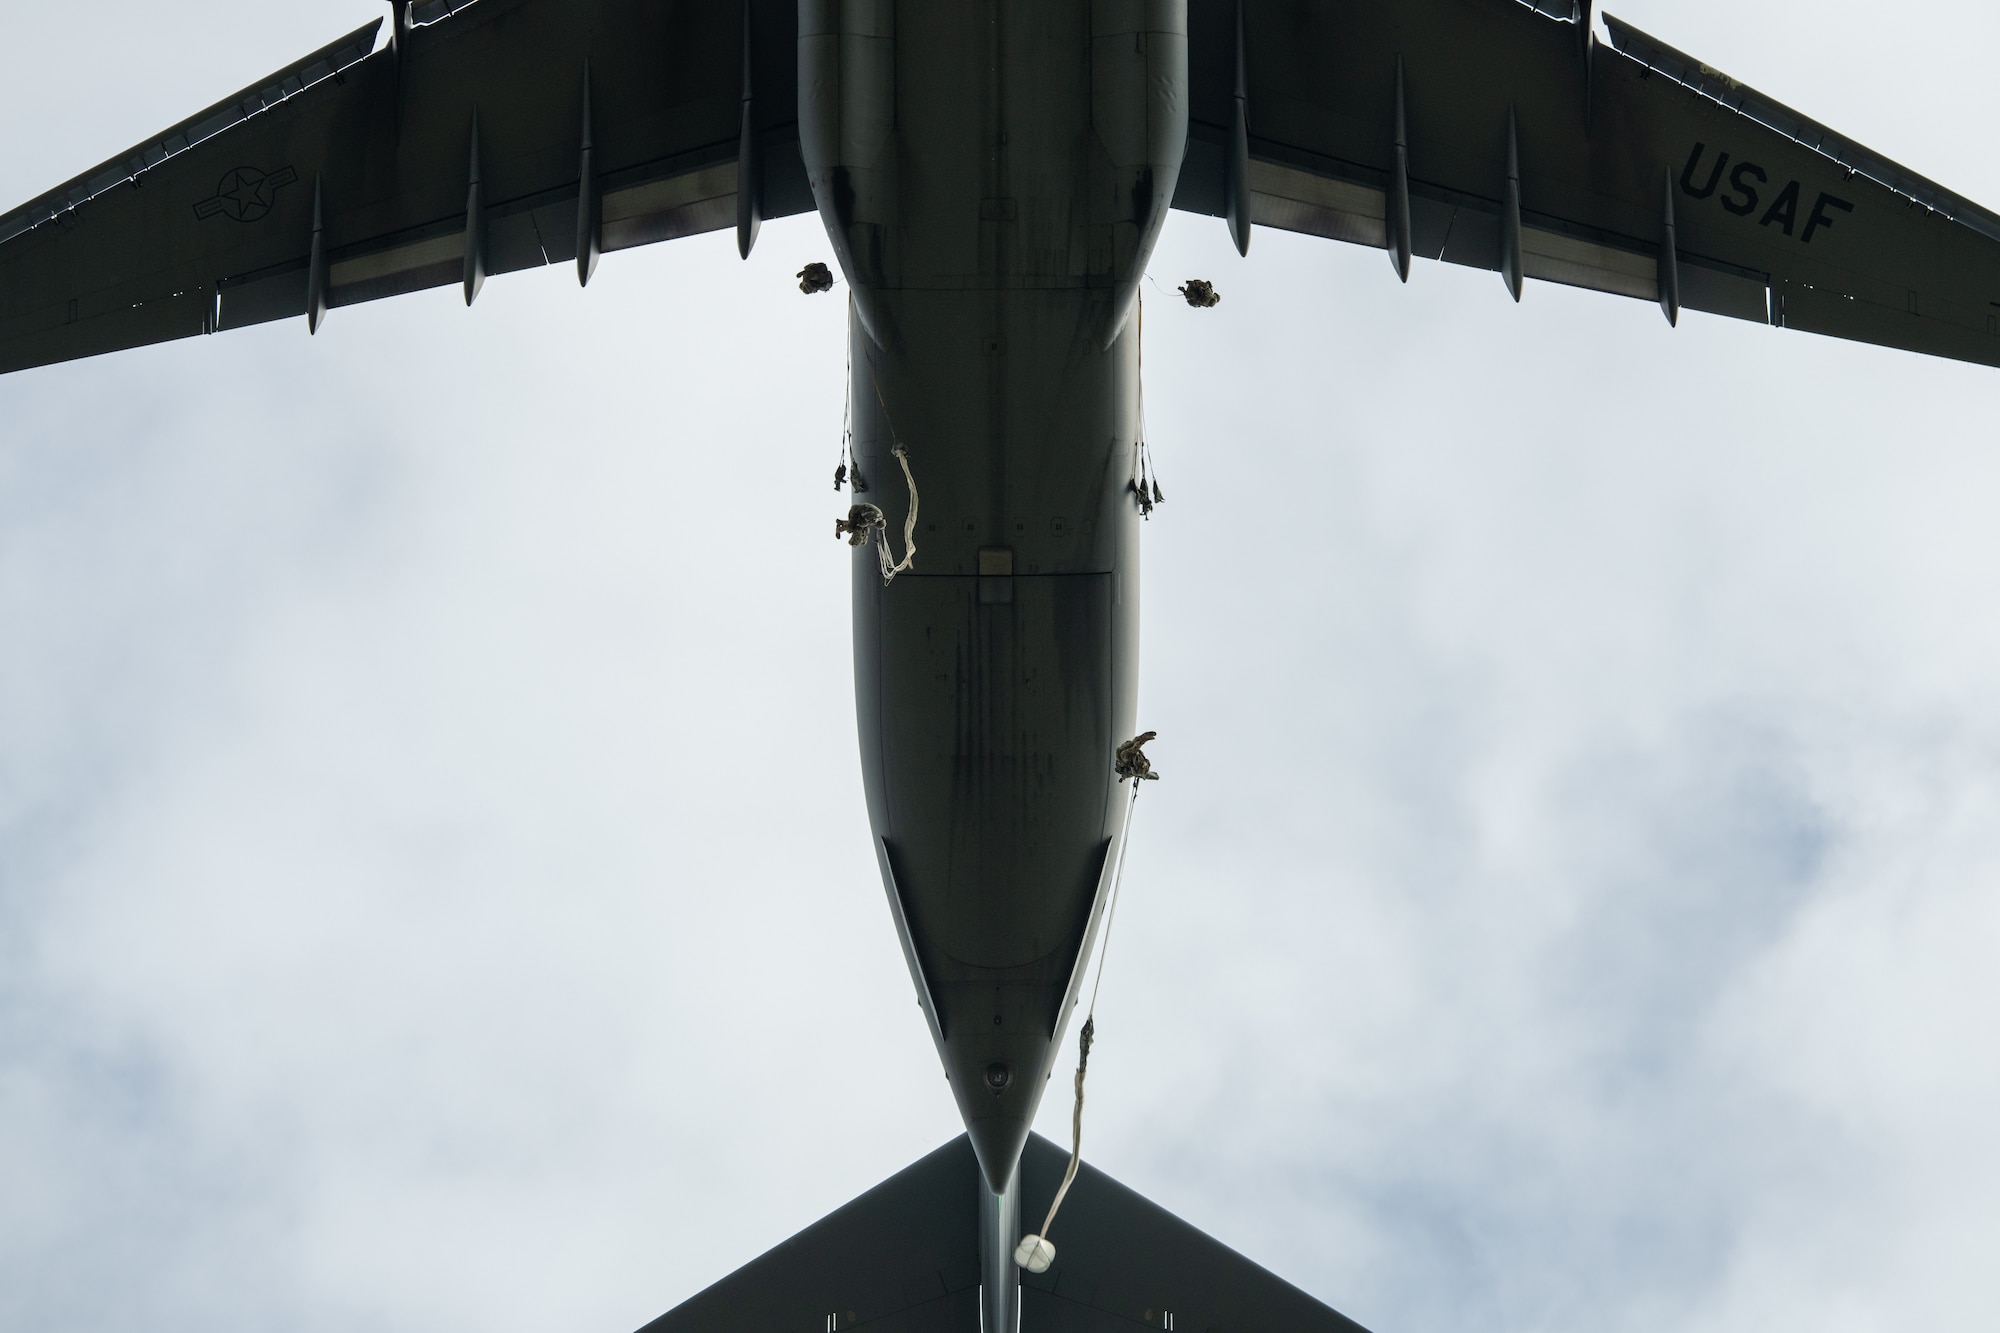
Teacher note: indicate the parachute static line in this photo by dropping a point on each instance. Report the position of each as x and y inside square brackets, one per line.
[864, 521]
[1036, 1252]
[1146, 485]
[849, 471]
[890, 566]
[847, 438]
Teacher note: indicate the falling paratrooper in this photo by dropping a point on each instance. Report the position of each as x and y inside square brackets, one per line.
[815, 278]
[862, 522]
[1201, 294]
[1131, 764]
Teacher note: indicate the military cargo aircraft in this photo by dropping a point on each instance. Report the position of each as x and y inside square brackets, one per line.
[992, 181]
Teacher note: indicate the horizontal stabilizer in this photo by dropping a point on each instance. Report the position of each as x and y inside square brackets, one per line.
[905, 1257]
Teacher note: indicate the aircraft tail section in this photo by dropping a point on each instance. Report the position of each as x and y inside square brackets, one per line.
[905, 1258]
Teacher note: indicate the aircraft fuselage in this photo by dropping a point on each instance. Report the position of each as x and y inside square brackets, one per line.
[993, 177]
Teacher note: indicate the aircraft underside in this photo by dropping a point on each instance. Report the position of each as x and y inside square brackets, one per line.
[995, 680]
[992, 178]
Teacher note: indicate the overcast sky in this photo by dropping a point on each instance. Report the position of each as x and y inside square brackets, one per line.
[435, 889]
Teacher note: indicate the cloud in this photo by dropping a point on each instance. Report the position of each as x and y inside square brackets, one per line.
[433, 876]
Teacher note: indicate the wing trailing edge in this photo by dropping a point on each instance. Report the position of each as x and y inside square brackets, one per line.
[344, 177]
[1768, 111]
[1470, 104]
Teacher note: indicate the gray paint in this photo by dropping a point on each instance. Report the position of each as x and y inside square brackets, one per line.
[911, 335]
[991, 339]
[902, 1257]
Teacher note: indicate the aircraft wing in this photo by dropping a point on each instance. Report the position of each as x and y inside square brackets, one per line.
[1500, 134]
[904, 1258]
[455, 151]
